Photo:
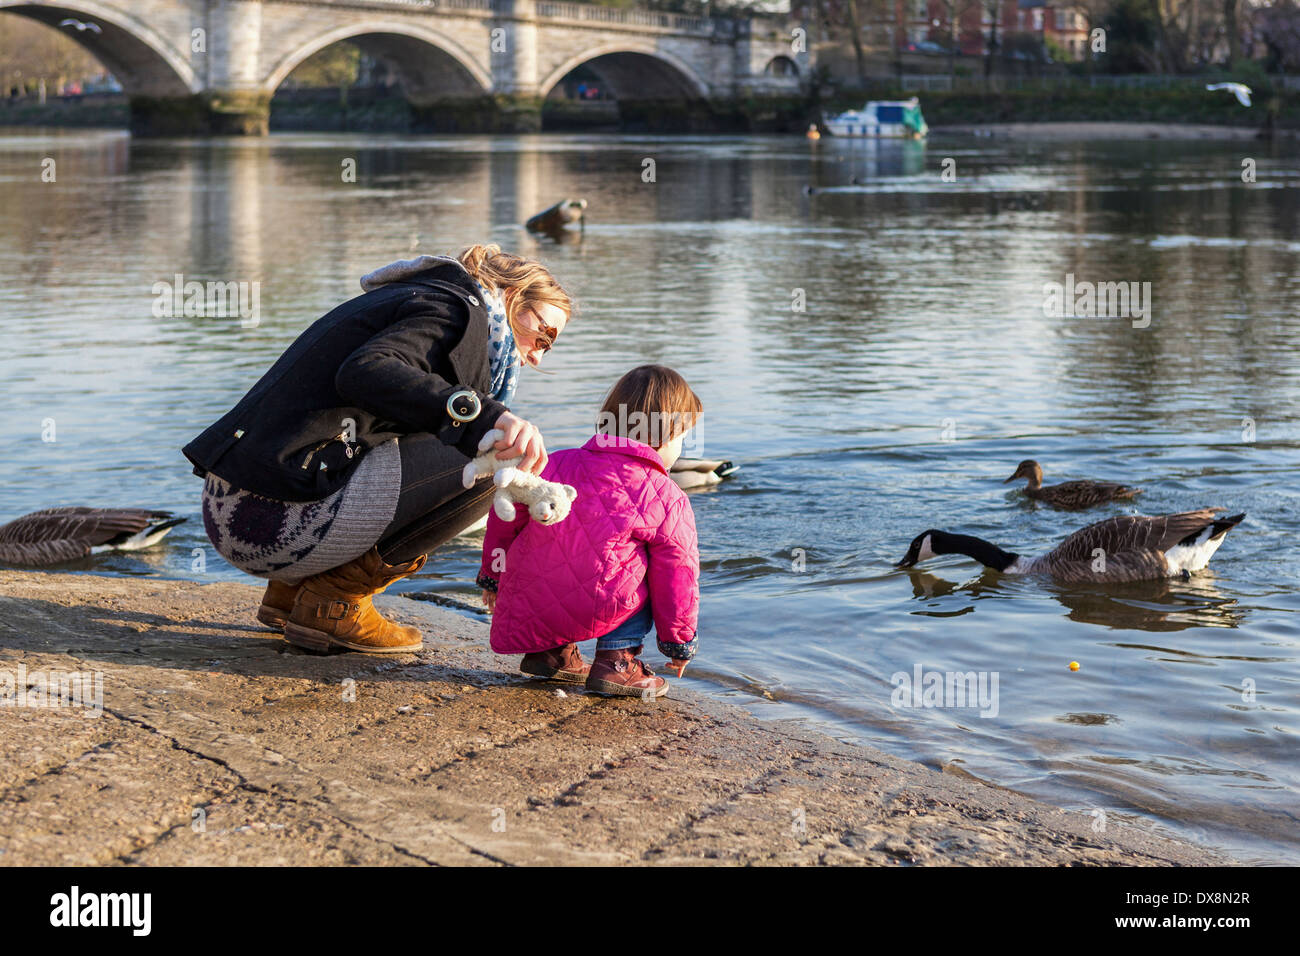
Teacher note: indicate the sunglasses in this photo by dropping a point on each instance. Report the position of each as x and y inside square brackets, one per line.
[544, 336]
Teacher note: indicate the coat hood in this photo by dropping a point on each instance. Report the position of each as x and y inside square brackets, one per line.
[404, 269]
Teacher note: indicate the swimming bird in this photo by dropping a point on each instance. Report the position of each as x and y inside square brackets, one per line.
[1125, 548]
[700, 472]
[64, 534]
[552, 220]
[1070, 494]
[1240, 90]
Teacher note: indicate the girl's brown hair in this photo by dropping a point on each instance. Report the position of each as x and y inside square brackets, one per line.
[525, 282]
[650, 404]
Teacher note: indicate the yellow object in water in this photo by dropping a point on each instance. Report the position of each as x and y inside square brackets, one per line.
[1074, 665]
[814, 132]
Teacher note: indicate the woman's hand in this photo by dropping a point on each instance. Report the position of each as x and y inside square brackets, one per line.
[490, 599]
[522, 440]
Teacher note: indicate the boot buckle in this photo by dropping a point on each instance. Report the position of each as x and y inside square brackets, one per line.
[336, 610]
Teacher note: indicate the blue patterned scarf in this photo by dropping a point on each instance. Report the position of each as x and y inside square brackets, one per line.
[503, 359]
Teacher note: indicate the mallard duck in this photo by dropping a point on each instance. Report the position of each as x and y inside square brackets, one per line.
[1125, 548]
[1070, 494]
[700, 472]
[65, 534]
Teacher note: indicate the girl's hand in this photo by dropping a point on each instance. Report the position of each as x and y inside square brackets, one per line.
[678, 667]
[522, 440]
[490, 599]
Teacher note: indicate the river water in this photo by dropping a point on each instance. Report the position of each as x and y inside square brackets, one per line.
[876, 355]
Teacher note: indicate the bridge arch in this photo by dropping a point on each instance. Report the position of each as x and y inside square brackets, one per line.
[431, 64]
[781, 66]
[628, 67]
[143, 61]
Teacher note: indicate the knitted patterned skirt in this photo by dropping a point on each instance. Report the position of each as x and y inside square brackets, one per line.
[292, 540]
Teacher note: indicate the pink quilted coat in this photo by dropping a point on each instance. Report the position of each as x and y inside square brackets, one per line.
[630, 537]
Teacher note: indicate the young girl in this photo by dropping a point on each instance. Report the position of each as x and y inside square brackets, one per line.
[626, 555]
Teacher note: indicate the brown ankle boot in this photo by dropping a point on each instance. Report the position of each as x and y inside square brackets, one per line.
[277, 604]
[334, 609]
[622, 674]
[560, 663]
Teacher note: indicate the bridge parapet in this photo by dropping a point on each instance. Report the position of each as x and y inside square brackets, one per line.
[204, 66]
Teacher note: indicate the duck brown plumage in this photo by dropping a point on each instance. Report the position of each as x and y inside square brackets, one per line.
[1070, 495]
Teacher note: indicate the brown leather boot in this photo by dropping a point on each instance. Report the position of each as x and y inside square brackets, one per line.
[560, 663]
[623, 674]
[277, 604]
[334, 609]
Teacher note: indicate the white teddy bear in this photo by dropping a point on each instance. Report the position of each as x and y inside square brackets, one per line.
[548, 501]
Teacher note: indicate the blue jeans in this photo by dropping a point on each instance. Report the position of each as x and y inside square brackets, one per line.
[631, 633]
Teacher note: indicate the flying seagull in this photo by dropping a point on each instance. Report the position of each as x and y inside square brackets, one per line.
[1239, 90]
[81, 27]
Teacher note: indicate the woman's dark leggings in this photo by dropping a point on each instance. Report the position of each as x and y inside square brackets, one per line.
[434, 506]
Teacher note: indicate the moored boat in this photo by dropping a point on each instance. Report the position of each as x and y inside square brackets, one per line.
[893, 119]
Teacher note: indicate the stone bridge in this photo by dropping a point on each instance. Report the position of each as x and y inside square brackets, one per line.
[212, 66]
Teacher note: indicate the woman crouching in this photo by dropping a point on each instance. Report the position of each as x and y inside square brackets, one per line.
[340, 469]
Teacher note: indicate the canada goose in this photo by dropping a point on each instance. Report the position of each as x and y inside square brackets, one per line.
[64, 534]
[552, 220]
[700, 472]
[1125, 548]
[1070, 494]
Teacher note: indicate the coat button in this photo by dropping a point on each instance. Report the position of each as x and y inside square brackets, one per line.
[473, 301]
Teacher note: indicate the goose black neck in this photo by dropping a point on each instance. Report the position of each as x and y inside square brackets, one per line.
[986, 553]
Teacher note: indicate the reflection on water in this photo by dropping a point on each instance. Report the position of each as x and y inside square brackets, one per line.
[1138, 605]
[1154, 606]
[920, 371]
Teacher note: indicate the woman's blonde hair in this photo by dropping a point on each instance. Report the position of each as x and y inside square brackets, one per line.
[651, 404]
[524, 283]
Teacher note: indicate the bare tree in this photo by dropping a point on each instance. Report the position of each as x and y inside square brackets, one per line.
[855, 30]
[31, 52]
[1279, 26]
[954, 11]
[1230, 21]
[994, 8]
